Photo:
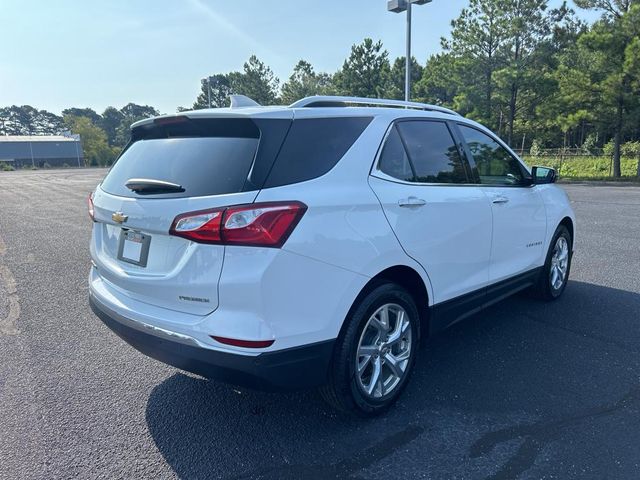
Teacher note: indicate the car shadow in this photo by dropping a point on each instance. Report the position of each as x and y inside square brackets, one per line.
[523, 357]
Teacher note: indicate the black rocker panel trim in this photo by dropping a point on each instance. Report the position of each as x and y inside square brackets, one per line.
[451, 311]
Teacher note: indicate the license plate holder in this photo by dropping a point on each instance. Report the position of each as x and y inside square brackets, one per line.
[134, 247]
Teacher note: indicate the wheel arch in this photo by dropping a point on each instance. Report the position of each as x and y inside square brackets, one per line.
[408, 278]
[568, 223]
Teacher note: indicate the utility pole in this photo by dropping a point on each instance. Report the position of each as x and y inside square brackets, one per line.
[207, 82]
[398, 6]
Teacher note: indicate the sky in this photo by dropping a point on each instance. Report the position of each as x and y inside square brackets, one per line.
[96, 53]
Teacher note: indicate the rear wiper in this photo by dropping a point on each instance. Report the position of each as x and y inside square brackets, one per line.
[149, 186]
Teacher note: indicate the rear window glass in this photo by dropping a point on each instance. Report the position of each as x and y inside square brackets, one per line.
[313, 147]
[200, 165]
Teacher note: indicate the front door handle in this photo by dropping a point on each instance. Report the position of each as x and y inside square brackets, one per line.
[500, 199]
[411, 202]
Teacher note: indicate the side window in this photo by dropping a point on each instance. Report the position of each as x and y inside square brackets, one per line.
[432, 152]
[496, 166]
[393, 159]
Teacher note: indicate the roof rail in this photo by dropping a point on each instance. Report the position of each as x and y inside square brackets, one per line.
[338, 101]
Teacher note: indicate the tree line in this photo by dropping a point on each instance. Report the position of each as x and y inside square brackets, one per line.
[538, 76]
[103, 135]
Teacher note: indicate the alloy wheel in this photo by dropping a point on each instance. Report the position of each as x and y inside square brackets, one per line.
[559, 263]
[384, 351]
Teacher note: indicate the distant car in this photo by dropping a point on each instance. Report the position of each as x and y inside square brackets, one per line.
[317, 245]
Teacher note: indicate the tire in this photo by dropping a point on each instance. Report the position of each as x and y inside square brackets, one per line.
[548, 286]
[357, 392]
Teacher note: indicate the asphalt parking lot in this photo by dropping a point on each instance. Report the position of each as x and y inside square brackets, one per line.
[523, 390]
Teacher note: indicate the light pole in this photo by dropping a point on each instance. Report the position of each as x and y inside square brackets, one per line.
[207, 82]
[398, 6]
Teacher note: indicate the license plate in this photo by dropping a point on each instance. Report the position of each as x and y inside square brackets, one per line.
[134, 247]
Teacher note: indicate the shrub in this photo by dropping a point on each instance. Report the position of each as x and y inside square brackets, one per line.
[608, 148]
[536, 149]
[631, 149]
[590, 147]
[5, 167]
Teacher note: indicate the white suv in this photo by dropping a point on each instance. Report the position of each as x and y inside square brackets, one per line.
[317, 245]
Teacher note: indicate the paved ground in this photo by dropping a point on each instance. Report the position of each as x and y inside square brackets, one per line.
[523, 390]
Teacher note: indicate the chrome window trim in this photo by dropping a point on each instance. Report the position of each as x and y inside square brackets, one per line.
[377, 173]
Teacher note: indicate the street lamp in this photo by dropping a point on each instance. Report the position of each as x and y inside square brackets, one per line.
[207, 82]
[398, 6]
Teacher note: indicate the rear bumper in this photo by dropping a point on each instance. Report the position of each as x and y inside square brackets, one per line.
[295, 368]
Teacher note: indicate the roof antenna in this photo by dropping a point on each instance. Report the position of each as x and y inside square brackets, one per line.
[242, 101]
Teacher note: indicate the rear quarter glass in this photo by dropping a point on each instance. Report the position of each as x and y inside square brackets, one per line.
[313, 147]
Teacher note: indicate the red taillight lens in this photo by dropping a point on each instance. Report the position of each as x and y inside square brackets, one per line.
[266, 224]
[202, 226]
[90, 205]
[244, 343]
[263, 224]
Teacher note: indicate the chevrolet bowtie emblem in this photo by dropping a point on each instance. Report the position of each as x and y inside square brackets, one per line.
[119, 217]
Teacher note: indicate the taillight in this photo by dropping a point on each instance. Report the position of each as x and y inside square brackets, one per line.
[267, 224]
[202, 226]
[90, 205]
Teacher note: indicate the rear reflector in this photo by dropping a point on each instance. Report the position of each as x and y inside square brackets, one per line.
[267, 224]
[244, 343]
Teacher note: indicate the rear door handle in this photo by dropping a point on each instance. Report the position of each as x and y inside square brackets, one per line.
[500, 199]
[411, 202]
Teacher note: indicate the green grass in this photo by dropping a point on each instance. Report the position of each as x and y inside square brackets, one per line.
[585, 167]
[635, 179]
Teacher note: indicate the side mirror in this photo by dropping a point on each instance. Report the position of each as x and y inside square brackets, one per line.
[542, 175]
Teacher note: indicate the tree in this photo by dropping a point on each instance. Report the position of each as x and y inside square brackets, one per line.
[27, 120]
[501, 55]
[544, 103]
[94, 140]
[612, 8]
[304, 82]
[366, 73]
[131, 113]
[477, 39]
[441, 81]
[110, 121]
[257, 82]
[219, 88]
[528, 28]
[612, 72]
[397, 78]
[82, 112]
